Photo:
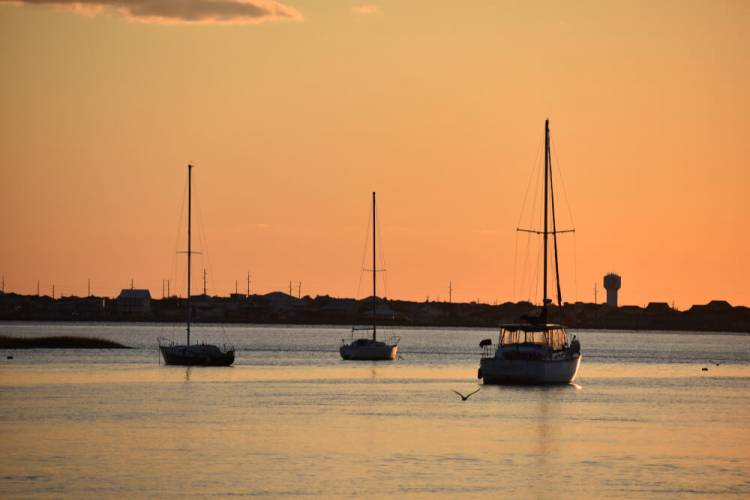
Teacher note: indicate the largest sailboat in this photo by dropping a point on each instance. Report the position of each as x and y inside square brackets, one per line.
[193, 354]
[534, 351]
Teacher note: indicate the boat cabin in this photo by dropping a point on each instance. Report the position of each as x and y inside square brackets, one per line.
[528, 340]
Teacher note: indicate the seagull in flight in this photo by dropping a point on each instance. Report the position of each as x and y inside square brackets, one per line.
[464, 398]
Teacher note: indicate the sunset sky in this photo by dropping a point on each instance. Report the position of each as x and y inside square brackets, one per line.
[294, 112]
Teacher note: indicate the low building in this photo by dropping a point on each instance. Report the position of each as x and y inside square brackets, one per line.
[134, 302]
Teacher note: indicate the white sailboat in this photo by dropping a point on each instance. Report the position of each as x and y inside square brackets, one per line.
[193, 354]
[534, 351]
[370, 348]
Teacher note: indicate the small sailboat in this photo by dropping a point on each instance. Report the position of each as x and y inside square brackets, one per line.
[366, 348]
[193, 354]
[534, 351]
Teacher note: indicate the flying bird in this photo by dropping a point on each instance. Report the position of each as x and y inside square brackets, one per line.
[464, 398]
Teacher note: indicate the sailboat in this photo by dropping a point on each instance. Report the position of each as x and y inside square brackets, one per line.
[366, 348]
[534, 351]
[193, 354]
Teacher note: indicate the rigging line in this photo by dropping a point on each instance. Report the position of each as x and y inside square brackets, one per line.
[537, 197]
[515, 267]
[173, 271]
[201, 233]
[554, 234]
[381, 253]
[203, 238]
[539, 256]
[523, 270]
[364, 252]
[539, 259]
[529, 184]
[562, 180]
[528, 268]
[575, 266]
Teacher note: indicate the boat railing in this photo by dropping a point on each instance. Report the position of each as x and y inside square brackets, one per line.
[165, 342]
[488, 351]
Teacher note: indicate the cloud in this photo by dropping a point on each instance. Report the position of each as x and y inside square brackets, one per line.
[365, 9]
[180, 11]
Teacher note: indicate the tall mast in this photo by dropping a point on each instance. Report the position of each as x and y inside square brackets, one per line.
[374, 301]
[546, 232]
[189, 250]
[554, 232]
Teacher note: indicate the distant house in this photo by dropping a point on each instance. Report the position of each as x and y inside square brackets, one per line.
[134, 301]
[715, 306]
[658, 308]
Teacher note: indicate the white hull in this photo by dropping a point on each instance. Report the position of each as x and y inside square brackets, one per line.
[379, 352]
[529, 371]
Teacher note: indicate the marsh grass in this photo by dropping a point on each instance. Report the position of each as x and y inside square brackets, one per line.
[62, 342]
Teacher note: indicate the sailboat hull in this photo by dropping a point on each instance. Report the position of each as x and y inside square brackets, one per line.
[502, 371]
[370, 351]
[196, 355]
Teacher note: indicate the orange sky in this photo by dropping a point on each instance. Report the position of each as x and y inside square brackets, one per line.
[293, 118]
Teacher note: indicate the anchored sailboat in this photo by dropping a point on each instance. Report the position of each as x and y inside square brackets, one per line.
[195, 354]
[534, 351]
[370, 349]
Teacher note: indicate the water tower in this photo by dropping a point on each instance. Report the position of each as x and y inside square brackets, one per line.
[612, 283]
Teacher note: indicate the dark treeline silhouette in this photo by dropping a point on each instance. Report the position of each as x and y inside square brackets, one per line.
[281, 308]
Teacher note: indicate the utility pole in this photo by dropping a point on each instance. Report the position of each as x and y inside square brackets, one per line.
[162, 289]
[450, 292]
[290, 288]
[235, 287]
[53, 291]
[3, 289]
[248, 284]
[88, 288]
[204, 280]
[168, 288]
[131, 283]
[299, 290]
[37, 288]
[595, 290]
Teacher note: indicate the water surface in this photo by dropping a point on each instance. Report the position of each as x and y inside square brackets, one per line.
[292, 419]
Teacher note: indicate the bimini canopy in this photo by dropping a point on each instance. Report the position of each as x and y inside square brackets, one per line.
[530, 327]
[552, 336]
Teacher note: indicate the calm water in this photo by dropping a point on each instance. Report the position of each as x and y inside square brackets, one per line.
[292, 419]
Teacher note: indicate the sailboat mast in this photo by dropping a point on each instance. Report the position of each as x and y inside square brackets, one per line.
[189, 250]
[546, 232]
[554, 233]
[374, 282]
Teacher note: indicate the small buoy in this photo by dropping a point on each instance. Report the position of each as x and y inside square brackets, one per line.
[9, 357]
[704, 369]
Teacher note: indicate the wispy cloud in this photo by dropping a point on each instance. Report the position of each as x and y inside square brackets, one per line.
[365, 9]
[180, 11]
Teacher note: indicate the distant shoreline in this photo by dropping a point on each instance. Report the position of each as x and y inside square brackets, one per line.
[347, 326]
[277, 308]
